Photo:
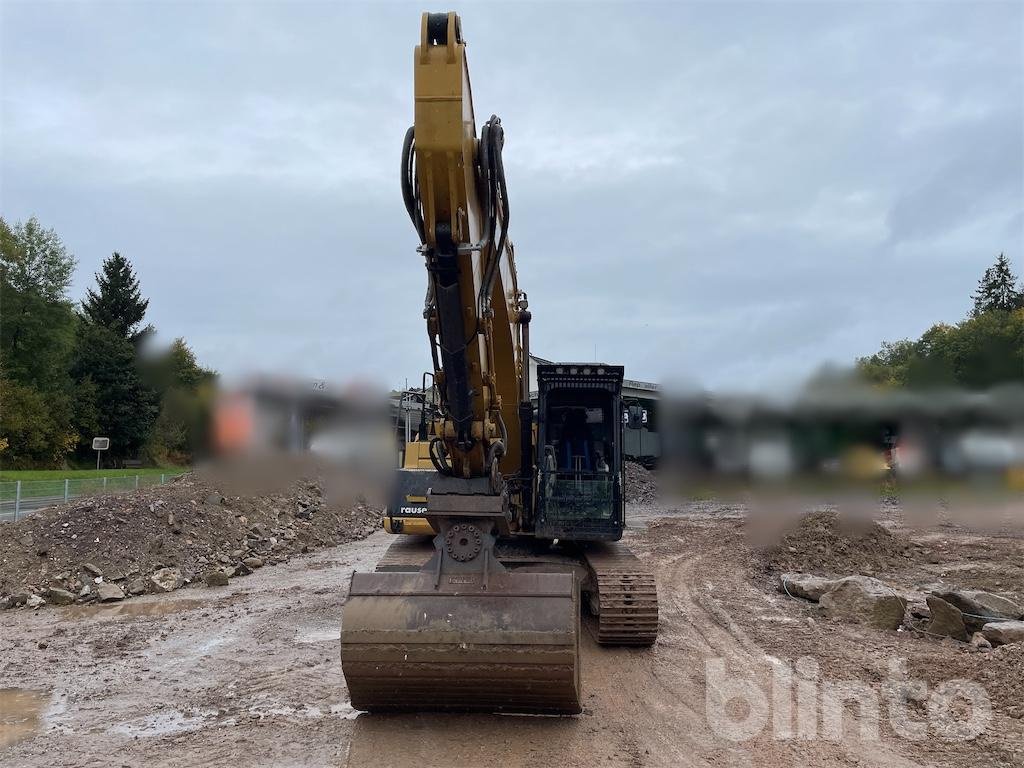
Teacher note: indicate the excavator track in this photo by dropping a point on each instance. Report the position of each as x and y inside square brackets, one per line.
[624, 596]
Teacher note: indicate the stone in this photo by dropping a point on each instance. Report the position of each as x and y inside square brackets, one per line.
[35, 601]
[241, 570]
[946, 619]
[216, 579]
[92, 569]
[979, 641]
[136, 587]
[253, 562]
[214, 500]
[108, 592]
[1004, 632]
[166, 580]
[864, 600]
[59, 596]
[805, 585]
[980, 608]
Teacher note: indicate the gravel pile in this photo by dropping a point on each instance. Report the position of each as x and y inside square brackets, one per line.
[158, 539]
[641, 485]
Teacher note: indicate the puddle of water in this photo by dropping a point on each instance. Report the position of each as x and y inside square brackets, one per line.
[19, 714]
[135, 608]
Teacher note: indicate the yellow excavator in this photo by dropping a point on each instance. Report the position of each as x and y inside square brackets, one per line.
[508, 512]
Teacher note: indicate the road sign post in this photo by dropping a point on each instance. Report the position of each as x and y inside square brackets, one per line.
[100, 444]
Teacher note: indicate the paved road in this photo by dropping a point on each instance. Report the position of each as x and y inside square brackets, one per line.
[27, 505]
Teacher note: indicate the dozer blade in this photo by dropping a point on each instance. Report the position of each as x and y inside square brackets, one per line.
[499, 642]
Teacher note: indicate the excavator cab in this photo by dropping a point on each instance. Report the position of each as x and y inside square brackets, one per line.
[579, 469]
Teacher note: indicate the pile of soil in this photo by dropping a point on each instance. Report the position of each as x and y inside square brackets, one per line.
[641, 485]
[827, 544]
[185, 525]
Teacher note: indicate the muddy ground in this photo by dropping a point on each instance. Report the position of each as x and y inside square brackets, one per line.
[248, 674]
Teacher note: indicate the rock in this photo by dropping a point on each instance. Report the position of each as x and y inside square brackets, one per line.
[91, 568]
[980, 608]
[108, 592]
[979, 641]
[166, 580]
[136, 587]
[864, 600]
[241, 570]
[214, 500]
[805, 585]
[253, 562]
[216, 579]
[35, 601]
[20, 598]
[946, 620]
[59, 596]
[1004, 632]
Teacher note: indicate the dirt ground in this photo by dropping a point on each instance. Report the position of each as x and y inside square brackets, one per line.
[249, 674]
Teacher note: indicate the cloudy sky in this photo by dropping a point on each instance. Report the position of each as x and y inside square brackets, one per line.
[735, 192]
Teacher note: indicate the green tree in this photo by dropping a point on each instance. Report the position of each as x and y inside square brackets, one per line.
[117, 302]
[34, 430]
[35, 259]
[185, 388]
[36, 336]
[997, 290]
[977, 353]
[124, 407]
[38, 320]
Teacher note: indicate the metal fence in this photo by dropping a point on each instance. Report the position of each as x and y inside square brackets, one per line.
[20, 497]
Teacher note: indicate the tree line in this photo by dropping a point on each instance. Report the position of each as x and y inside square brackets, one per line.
[985, 349]
[70, 372]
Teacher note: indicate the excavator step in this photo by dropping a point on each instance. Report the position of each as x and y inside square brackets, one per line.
[625, 596]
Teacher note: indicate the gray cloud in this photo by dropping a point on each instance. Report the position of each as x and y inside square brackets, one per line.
[737, 191]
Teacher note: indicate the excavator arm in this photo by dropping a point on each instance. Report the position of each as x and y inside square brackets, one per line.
[453, 184]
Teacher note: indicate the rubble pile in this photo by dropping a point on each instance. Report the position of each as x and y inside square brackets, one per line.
[824, 542]
[105, 548]
[641, 484]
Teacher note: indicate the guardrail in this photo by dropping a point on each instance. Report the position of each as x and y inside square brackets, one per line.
[20, 497]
